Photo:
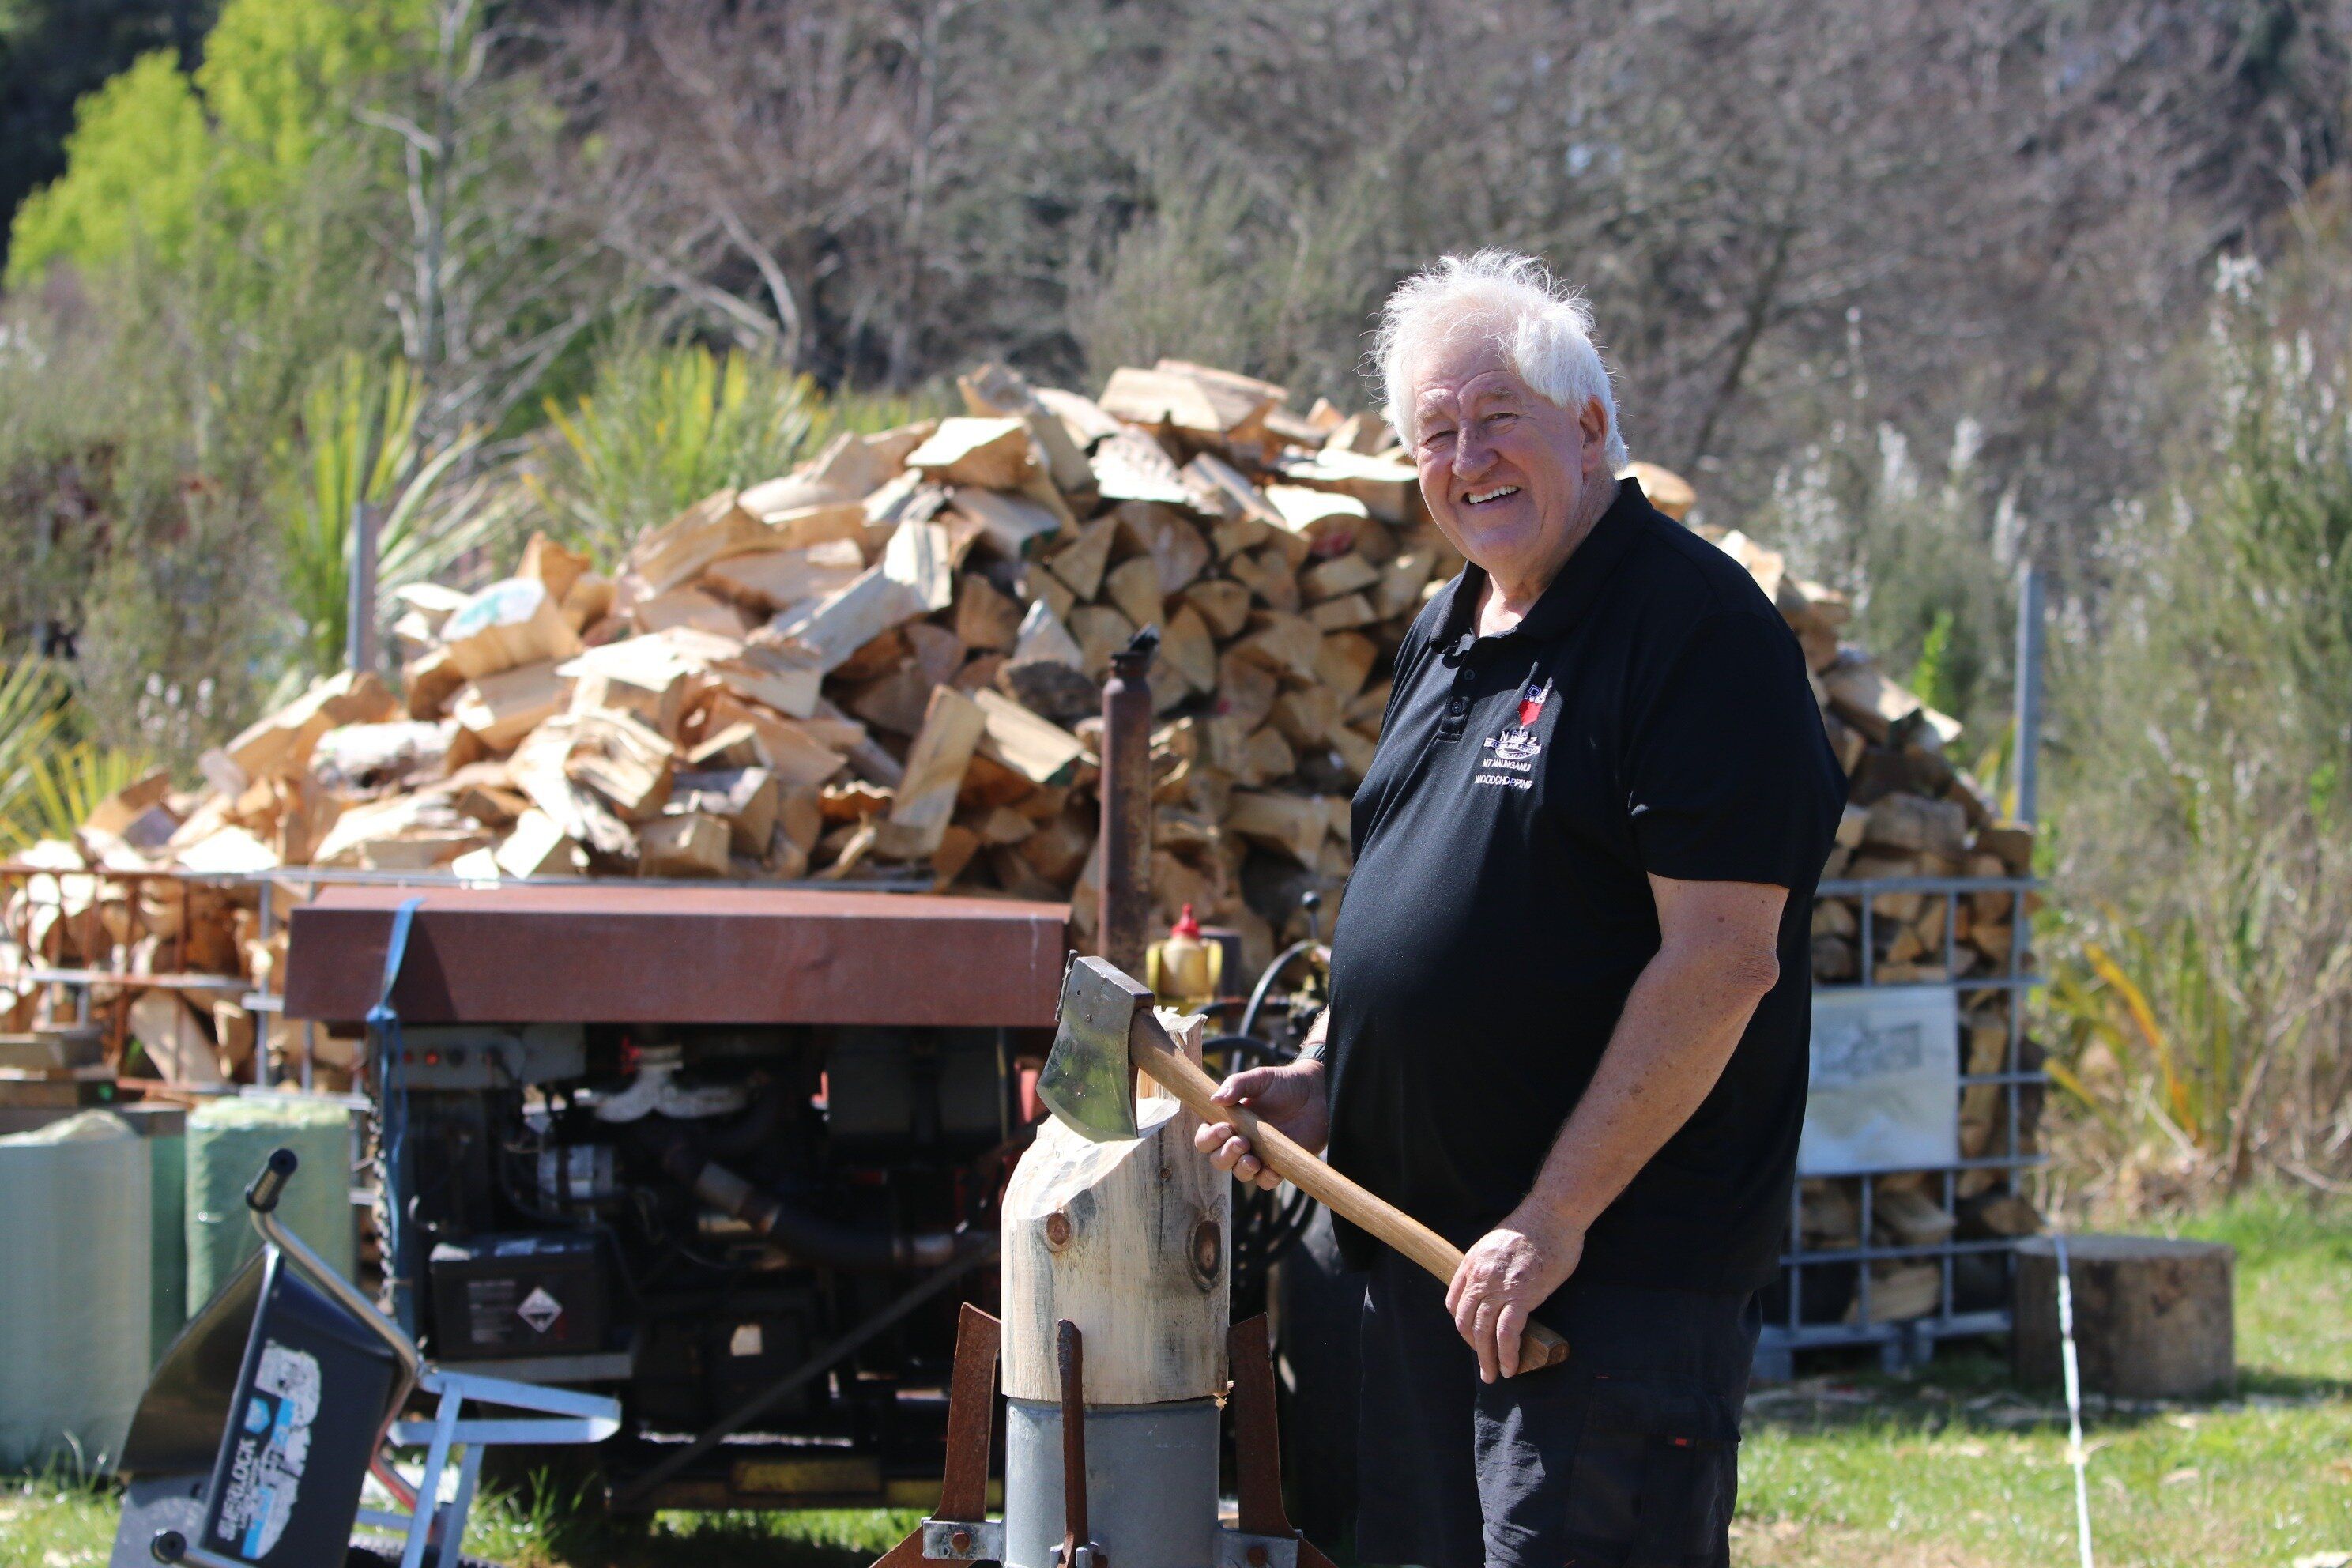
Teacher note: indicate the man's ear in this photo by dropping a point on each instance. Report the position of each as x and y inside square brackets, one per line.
[1592, 427]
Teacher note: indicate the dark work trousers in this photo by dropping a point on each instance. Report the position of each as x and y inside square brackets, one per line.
[1627, 1454]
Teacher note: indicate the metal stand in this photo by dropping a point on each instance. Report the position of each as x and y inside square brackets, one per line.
[1262, 1536]
[961, 1531]
[565, 1415]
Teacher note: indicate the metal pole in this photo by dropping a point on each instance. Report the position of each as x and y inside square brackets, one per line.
[359, 620]
[1125, 911]
[2029, 694]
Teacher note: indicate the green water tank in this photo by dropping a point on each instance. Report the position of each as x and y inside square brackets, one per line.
[228, 1142]
[74, 1295]
[164, 1129]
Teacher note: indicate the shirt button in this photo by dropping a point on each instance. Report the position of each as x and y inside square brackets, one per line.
[1458, 707]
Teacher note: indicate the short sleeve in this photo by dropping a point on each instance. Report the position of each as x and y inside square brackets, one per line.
[1731, 776]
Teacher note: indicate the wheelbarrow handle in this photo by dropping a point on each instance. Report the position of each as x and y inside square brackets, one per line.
[261, 1197]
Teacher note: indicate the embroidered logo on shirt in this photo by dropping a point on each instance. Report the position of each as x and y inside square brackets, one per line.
[1514, 751]
[1517, 741]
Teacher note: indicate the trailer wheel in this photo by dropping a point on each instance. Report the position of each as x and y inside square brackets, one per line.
[1321, 1321]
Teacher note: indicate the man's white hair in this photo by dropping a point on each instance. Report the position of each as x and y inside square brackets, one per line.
[1543, 327]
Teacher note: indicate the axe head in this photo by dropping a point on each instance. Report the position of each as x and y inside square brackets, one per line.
[1088, 1081]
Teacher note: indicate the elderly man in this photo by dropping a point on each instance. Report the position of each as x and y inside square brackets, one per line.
[1568, 984]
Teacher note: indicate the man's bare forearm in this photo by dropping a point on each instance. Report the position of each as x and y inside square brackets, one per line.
[1682, 1021]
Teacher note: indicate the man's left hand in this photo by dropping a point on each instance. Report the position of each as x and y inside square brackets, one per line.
[1510, 1271]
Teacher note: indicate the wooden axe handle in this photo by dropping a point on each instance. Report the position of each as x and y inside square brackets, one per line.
[1149, 1049]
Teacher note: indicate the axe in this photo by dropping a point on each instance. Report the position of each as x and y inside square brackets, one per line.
[1108, 1032]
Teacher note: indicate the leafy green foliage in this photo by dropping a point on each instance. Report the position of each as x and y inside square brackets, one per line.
[1932, 676]
[360, 446]
[139, 156]
[161, 162]
[55, 52]
[51, 772]
[2207, 974]
[1926, 554]
[34, 715]
[219, 224]
[64, 784]
[661, 427]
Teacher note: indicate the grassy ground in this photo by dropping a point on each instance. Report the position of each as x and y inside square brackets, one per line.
[1960, 1469]
[1953, 1470]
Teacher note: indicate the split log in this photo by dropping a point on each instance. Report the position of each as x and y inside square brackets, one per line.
[507, 624]
[1080, 563]
[1134, 586]
[688, 845]
[786, 747]
[985, 618]
[1342, 614]
[846, 620]
[622, 761]
[921, 558]
[995, 454]
[281, 743]
[501, 709]
[680, 551]
[1292, 823]
[1386, 488]
[1326, 524]
[687, 608]
[1178, 551]
[1012, 737]
[1901, 1291]
[1175, 401]
[779, 579]
[1101, 631]
[175, 1043]
[1189, 648]
[537, 846]
[1013, 525]
[1910, 824]
[935, 769]
[1223, 604]
[1349, 573]
[537, 770]
[744, 798]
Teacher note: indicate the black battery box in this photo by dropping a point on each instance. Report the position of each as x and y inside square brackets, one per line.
[544, 1293]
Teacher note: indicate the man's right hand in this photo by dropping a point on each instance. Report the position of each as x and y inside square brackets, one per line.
[1290, 1096]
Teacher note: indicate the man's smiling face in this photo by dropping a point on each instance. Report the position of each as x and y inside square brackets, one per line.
[1510, 477]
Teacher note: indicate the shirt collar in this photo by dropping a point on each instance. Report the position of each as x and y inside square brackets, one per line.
[1571, 591]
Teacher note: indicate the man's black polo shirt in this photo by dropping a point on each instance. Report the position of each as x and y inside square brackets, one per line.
[1650, 714]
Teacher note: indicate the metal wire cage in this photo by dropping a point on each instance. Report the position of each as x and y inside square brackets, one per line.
[1975, 1272]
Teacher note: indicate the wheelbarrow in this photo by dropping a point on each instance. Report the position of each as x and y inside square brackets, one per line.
[253, 1442]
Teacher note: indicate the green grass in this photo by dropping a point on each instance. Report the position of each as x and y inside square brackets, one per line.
[1959, 1468]
[1955, 1469]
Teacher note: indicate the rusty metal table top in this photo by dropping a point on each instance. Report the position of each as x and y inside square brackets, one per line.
[617, 953]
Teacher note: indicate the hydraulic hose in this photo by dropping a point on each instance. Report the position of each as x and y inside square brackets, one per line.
[853, 1249]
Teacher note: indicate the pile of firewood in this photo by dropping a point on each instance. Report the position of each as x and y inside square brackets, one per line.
[886, 667]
